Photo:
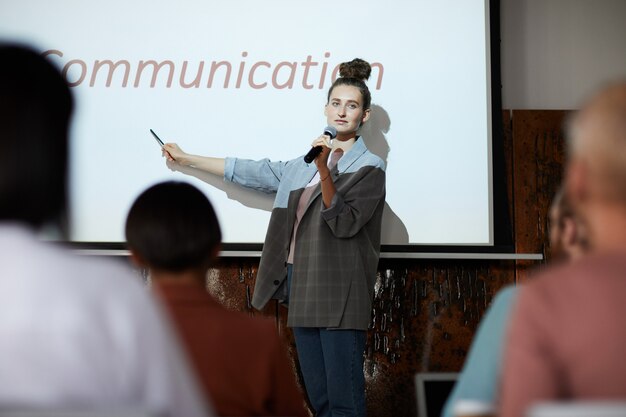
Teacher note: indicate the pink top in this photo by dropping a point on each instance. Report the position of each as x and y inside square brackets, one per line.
[306, 196]
[567, 339]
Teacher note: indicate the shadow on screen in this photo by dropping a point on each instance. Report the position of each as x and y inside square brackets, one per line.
[374, 132]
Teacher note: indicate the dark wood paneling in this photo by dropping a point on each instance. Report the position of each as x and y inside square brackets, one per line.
[231, 281]
[424, 316]
[538, 157]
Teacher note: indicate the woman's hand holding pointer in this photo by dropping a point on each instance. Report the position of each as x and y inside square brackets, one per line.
[173, 153]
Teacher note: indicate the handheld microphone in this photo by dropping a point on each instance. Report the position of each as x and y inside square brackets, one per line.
[329, 131]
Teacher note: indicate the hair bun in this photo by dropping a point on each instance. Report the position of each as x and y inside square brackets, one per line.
[357, 68]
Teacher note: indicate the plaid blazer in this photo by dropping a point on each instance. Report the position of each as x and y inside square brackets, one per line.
[337, 248]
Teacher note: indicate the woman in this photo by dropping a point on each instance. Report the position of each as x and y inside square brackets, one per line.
[323, 242]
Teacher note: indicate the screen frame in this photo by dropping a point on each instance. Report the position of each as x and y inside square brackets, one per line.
[501, 227]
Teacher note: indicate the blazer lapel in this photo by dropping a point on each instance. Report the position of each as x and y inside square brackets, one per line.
[353, 155]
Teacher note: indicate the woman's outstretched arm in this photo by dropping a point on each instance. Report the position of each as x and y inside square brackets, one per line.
[263, 175]
[172, 152]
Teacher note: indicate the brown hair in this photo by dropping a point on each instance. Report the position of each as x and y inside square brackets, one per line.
[354, 73]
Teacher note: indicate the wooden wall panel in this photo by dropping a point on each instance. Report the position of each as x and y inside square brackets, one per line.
[231, 281]
[538, 158]
[424, 316]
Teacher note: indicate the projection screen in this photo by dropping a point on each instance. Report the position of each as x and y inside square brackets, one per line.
[249, 78]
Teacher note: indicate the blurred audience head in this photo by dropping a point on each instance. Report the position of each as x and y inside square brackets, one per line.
[567, 237]
[172, 227]
[35, 110]
[596, 171]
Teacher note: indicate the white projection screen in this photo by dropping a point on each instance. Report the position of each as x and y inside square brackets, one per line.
[249, 78]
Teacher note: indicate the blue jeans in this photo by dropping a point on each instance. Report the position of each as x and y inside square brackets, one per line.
[331, 362]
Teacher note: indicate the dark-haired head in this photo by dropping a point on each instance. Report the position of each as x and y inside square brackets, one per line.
[35, 111]
[354, 73]
[172, 227]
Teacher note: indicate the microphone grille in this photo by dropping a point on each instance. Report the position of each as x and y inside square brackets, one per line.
[330, 131]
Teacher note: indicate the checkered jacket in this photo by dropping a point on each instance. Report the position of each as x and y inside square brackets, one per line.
[337, 248]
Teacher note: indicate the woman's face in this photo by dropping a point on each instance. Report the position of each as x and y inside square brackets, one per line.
[344, 111]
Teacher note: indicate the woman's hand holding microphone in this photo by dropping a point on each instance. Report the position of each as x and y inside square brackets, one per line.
[322, 159]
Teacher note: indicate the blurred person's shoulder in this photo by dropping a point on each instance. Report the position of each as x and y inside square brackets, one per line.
[256, 327]
[504, 297]
[257, 333]
[195, 306]
[45, 267]
[581, 271]
[572, 284]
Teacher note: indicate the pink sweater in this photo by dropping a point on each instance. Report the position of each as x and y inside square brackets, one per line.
[567, 338]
